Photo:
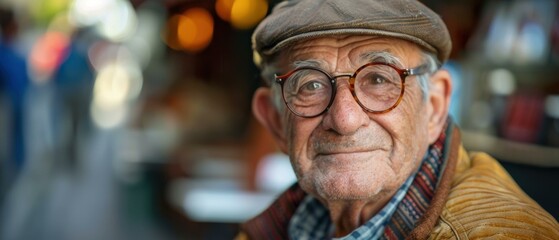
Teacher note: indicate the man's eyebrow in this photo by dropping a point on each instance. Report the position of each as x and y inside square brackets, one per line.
[383, 56]
[310, 63]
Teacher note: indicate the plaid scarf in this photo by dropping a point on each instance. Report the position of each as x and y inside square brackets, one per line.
[420, 193]
[274, 222]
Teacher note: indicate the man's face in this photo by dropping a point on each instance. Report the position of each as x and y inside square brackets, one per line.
[348, 153]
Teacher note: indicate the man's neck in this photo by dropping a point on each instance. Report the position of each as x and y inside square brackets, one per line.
[349, 215]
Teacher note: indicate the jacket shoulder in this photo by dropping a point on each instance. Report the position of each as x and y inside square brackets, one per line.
[485, 202]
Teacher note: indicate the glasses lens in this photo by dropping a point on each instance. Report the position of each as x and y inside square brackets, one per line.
[378, 87]
[307, 92]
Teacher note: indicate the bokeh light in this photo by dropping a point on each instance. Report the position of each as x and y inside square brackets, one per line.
[87, 12]
[119, 23]
[111, 86]
[191, 31]
[108, 118]
[552, 106]
[501, 82]
[246, 14]
[45, 10]
[117, 83]
[223, 9]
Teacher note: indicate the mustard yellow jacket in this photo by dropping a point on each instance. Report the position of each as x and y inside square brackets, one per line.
[484, 202]
[476, 199]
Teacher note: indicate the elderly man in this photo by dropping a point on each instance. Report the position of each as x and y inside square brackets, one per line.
[356, 97]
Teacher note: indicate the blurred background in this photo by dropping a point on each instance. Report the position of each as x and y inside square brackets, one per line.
[130, 119]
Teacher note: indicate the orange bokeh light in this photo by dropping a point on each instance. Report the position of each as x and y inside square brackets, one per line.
[223, 9]
[247, 13]
[190, 31]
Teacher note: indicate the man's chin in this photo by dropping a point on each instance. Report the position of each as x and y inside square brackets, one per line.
[342, 196]
[350, 190]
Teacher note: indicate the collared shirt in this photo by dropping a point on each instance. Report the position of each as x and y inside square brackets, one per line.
[312, 220]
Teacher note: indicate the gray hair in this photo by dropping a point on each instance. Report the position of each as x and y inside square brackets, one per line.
[270, 69]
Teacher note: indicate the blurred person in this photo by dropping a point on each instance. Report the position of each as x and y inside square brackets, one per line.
[13, 87]
[356, 97]
[73, 90]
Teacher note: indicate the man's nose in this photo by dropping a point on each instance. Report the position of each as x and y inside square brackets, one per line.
[345, 115]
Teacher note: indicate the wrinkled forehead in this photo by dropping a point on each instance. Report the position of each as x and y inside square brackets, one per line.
[353, 50]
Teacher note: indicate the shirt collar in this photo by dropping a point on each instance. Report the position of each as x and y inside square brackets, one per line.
[312, 220]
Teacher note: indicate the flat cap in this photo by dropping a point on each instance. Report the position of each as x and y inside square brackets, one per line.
[296, 20]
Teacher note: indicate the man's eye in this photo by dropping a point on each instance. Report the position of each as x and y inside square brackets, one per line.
[312, 86]
[375, 79]
[379, 80]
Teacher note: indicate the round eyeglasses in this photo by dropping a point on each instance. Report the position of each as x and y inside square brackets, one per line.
[377, 87]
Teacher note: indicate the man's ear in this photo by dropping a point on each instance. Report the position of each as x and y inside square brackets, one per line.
[265, 112]
[439, 102]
